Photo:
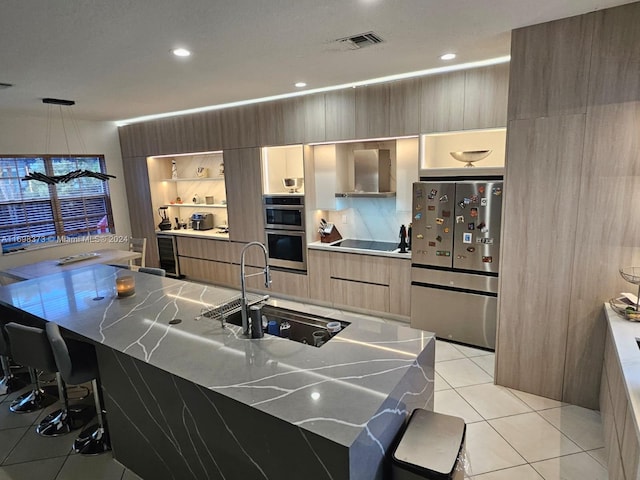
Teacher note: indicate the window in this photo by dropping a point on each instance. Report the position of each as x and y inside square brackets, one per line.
[36, 212]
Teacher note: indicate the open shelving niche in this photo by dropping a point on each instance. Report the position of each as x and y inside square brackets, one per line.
[165, 189]
[436, 160]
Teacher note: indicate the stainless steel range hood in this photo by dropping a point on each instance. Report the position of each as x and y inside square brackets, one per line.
[372, 174]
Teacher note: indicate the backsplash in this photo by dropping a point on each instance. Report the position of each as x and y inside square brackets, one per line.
[369, 218]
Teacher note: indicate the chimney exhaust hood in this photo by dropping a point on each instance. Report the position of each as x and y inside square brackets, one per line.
[372, 174]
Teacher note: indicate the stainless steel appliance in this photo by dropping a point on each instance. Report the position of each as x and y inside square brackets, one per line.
[283, 212]
[371, 173]
[285, 235]
[455, 259]
[168, 253]
[202, 221]
[287, 249]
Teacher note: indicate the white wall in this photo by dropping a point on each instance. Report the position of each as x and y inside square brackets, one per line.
[27, 135]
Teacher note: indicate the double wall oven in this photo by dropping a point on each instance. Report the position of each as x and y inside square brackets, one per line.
[285, 231]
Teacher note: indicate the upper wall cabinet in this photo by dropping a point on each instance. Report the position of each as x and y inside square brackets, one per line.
[372, 111]
[304, 119]
[485, 97]
[270, 117]
[404, 107]
[550, 68]
[239, 127]
[442, 107]
[340, 114]
[191, 133]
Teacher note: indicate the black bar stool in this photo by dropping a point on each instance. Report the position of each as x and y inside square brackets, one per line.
[77, 363]
[30, 345]
[9, 382]
[25, 353]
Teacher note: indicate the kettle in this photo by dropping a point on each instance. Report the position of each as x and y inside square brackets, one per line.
[165, 223]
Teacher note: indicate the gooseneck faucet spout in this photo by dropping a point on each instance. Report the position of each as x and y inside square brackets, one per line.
[243, 276]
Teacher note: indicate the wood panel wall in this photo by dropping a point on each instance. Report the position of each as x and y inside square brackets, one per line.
[407, 107]
[571, 185]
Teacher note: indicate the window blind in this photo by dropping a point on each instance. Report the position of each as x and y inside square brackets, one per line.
[33, 212]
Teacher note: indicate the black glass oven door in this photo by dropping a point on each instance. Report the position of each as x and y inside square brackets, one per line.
[287, 249]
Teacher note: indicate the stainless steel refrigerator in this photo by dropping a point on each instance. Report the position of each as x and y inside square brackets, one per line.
[455, 245]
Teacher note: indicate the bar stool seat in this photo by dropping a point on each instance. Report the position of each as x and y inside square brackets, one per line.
[30, 345]
[77, 363]
[34, 357]
[9, 382]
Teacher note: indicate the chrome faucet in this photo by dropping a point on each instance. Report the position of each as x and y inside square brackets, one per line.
[267, 282]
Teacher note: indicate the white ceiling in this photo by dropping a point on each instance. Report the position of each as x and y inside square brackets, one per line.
[113, 57]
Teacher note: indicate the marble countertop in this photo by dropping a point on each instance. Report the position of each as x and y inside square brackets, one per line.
[624, 334]
[332, 391]
[360, 251]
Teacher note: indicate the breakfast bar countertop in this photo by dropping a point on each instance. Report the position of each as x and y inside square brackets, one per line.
[363, 382]
[57, 265]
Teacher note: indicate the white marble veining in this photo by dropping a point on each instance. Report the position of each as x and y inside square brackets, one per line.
[357, 377]
[369, 218]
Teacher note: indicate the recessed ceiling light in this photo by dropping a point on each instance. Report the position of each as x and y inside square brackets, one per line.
[448, 56]
[300, 84]
[181, 52]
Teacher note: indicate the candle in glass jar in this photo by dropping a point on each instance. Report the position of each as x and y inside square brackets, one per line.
[125, 285]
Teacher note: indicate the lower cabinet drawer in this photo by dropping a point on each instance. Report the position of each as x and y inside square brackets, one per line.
[208, 271]
[361, 295]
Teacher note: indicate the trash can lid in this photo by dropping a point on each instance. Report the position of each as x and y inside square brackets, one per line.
[431, 443]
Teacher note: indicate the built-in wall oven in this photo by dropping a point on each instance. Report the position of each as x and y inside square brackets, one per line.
[285, 235]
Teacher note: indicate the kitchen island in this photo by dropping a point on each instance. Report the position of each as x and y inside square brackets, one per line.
[195, 400]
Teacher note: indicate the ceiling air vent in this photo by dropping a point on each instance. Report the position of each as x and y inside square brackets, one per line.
[361, 40]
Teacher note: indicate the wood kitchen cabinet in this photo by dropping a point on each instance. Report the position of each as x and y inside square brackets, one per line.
[209, 271]
[291, 284]
[239, 127]
[206, 260]
[304, 119]
[340, 114]
[485, 97]
[400, 286]
[143, 219]
[218, 261]
[372, 111]
[368, 282]
[319, 271]
[443, 99]
[404, 107]
[360, 268]
[243, 182]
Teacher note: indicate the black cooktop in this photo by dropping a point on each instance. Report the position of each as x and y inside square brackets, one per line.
[367, 245]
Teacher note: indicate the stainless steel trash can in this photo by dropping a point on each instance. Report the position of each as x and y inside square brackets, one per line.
[429, 447]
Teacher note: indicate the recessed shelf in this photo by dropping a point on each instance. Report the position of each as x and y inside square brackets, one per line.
[198, 205]
[195, 179]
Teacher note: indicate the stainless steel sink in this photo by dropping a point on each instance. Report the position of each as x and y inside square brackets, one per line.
[302, 326]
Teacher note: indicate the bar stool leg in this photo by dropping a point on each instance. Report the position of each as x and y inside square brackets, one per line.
[94, 440]
[36, 399]
[9, 382]
[63, 420]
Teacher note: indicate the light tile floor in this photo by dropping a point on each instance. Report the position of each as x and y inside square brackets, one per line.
[513, 434]
[510, 434]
